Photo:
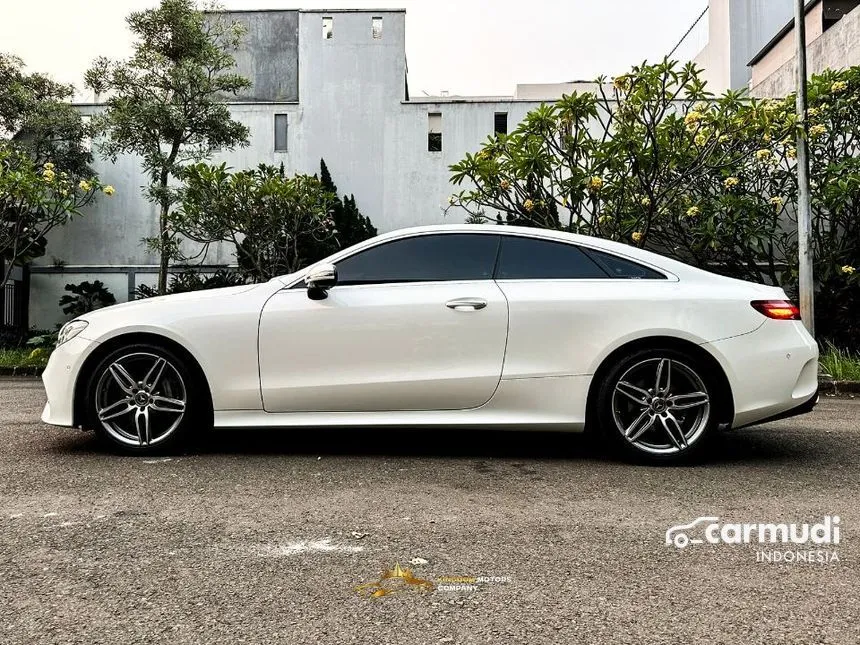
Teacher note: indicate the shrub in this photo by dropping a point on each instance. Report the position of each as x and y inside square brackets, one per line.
[86, 297]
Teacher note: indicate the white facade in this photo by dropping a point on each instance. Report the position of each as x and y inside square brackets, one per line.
[352, 110]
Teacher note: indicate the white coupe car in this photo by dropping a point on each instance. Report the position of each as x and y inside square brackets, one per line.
[457, 326]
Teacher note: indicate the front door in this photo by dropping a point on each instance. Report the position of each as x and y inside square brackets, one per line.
[413, 324]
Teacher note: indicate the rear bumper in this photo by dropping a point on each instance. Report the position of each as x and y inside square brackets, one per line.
[772, 371]
[803, 408]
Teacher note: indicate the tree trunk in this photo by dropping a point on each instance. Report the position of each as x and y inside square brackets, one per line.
[165, 258]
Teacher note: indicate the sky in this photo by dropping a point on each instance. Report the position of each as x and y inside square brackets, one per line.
[465, 47]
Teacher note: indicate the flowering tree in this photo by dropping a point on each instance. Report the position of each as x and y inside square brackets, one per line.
[166, 102]
[44, 174]
[34, 200]
[268, 217]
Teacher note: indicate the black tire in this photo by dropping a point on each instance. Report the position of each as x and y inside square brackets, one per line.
[146, 420]
[656, 430]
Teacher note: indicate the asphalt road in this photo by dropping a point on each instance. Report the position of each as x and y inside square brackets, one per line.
[262, 537]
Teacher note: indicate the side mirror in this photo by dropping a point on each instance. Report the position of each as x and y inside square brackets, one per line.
[320, 279]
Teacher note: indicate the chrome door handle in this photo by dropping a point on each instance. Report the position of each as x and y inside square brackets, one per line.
[466, 304]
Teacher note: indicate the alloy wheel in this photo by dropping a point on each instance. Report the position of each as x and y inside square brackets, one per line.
[661, 406]
[140, 399]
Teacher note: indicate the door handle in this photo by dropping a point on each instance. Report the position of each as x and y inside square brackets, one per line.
[466, 304]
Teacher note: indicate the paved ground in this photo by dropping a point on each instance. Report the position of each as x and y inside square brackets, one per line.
[263, 537]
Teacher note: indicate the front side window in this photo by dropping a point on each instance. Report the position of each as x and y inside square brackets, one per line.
[427, 258]
[524, 258]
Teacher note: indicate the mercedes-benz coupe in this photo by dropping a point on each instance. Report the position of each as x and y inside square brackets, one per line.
[446, 326]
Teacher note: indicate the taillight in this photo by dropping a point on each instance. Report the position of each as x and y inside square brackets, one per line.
[777, 309]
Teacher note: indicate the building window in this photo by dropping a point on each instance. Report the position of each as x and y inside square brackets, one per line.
[501, 123]
[377, 28]
[281, 131]
[434, 132]
[328, 27]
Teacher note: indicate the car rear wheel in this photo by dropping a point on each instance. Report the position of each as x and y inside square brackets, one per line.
[143, 399]
[658, 405]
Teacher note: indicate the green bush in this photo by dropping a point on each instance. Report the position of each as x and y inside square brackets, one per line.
[86, 297]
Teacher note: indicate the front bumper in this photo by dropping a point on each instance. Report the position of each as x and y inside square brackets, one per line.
[59, 379]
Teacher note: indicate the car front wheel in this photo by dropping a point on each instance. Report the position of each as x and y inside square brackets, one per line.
[658, 405]
[143, 399]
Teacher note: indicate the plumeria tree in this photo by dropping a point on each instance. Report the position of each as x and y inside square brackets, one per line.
[268, 217]
[44, 175]
[34, 200]
[166, 103]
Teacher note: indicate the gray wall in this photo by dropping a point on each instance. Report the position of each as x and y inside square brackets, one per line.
[753, 24]
[269, 54]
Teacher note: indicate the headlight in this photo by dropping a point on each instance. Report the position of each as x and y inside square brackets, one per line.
[70, 330]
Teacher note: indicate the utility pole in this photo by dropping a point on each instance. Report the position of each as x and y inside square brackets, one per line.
[804, 218]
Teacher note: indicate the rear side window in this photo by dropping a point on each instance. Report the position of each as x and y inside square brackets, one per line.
[427, 258]
[618, 267]
[524, 258]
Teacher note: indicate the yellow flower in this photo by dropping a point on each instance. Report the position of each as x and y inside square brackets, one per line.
[813, 112]
[693, 211]
[621, 83]
[603, 219]
[529, 205]
[791, 152]
[84, 185]
[645, 201]
[848, 269]
[637, 236]
[693, 119]
[817, 130]
[595, 184]
[839, 86]
[731, 182]
[700, 139]
[48, 175]
[48, 166]
[763, 154]
[108, 190]
[701, 106]
[776, 201]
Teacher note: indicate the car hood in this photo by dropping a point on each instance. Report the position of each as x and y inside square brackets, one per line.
[146, 305]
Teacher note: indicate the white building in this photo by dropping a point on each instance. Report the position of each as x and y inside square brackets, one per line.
[327, 85]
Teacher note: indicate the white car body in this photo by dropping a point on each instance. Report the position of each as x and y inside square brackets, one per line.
[394, 354]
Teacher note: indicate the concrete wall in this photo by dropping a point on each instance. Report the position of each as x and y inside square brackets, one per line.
[836, 48]
[269, 54]
[785, 49]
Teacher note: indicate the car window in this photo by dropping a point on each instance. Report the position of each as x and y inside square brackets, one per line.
[524, 258]
[618, 267]
[426, 258]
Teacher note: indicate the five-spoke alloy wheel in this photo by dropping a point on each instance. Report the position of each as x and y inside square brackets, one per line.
[140, 399]
[657, 405]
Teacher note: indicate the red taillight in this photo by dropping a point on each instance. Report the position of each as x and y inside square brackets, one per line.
[777, 309]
